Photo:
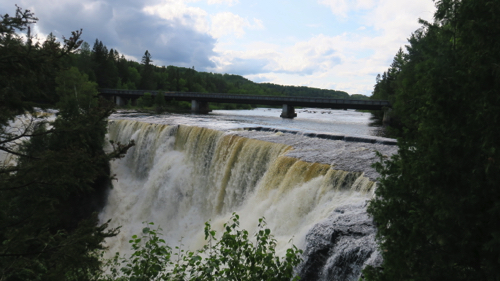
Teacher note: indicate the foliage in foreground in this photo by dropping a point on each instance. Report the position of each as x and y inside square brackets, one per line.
[233, 256]
[437, 206]
[52, 173]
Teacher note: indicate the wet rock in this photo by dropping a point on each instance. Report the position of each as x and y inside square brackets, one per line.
[341, 246]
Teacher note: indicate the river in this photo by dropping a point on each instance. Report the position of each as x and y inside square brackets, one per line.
[349, 122]
[310, 177]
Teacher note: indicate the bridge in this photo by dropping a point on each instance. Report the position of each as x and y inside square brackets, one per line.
[199, 101]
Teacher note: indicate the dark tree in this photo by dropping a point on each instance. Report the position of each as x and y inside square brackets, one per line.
[83, 60]
[50, 181]
[147, 74]
[99, 58]
[437, 206]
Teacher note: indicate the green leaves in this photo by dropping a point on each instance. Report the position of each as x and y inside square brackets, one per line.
[235, 257]
[232, 256]
[49, 192]
[437, 199]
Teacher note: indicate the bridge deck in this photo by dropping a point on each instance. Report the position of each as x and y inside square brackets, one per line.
[264, 100]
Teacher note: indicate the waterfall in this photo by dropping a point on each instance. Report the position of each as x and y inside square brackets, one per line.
[182, 176]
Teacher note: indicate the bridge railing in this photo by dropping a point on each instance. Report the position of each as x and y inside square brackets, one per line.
[236, 97]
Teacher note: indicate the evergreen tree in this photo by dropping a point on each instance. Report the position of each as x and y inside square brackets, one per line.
[147, 74]
[437, 203]
[122, 67]
[104, 66]
[84, 61]
[111, 69]
[386, 85]
[50, 182]
[99, 58]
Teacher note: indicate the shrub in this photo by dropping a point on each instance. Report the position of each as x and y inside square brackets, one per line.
[231, 257]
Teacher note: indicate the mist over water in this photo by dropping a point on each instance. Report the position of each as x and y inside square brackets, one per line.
[188, 169]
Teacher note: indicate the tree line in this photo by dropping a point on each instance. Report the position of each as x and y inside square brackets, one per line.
[109, 69]
[436, 206]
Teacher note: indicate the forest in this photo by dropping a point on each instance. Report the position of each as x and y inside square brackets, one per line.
[436, 206]
[109, 69]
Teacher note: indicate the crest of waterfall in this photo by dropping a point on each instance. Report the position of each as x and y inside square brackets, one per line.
[182, 176]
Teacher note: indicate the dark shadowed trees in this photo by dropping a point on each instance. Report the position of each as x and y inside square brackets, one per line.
[147, 74]
[437, 203]
[52, 173]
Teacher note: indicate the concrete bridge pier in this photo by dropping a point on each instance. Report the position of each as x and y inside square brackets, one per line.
[288, 111]
[119, 101]
[200, 107]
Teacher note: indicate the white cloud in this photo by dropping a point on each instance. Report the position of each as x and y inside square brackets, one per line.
[227, 23]
[365, 4]
[218, 25]
[228, 2]
[178, 10]
[249, 62]
[257, 24]
[338, 7]
[314, 25]
[394, 15]
[304, 58]
[341, 8]
[315, 55]
[263, 77]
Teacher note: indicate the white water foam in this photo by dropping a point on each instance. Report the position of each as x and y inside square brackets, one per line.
[180, 177]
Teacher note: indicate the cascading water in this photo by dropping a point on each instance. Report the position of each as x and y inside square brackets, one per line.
[181, 176]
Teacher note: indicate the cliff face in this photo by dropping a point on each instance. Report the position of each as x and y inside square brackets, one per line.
[339, 247]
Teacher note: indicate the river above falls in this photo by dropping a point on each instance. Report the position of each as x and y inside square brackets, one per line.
[345, 122]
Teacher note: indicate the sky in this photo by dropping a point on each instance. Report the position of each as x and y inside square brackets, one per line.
[329, 44]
